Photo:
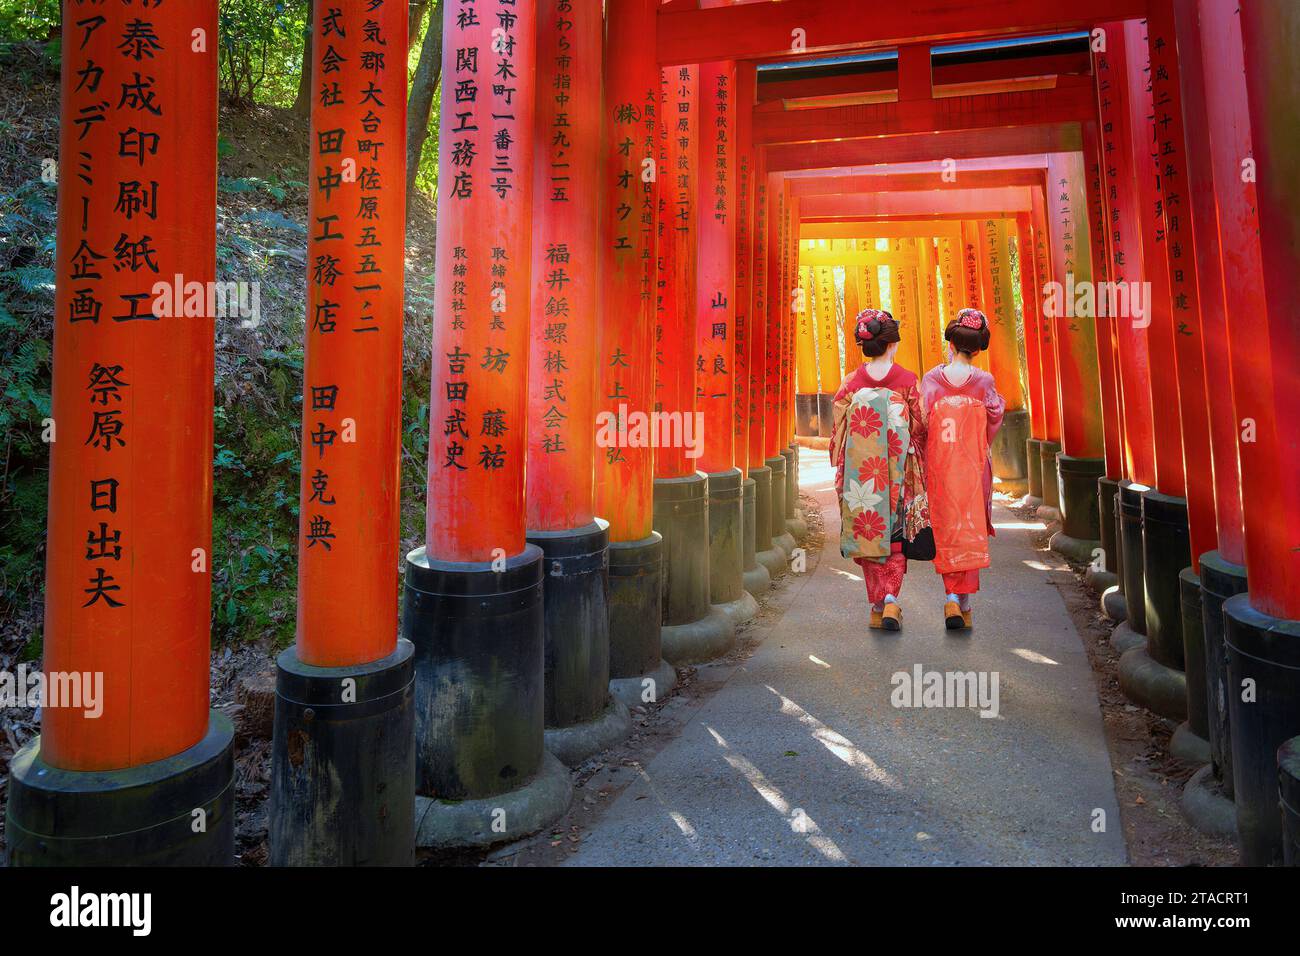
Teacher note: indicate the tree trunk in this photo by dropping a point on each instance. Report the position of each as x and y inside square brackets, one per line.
[420, 104]
[416, 12]
[302, 102]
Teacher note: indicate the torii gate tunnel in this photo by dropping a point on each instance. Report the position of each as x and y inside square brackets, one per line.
[656, 224]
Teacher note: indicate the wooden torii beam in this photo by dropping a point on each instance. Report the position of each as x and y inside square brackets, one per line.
[912, 147]
[1074, 103]
[880, 229]
[910, 182]
[1007, 200]
[769, 30]
[799, 84]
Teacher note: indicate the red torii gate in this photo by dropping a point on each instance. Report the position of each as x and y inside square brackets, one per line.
[1223, 274]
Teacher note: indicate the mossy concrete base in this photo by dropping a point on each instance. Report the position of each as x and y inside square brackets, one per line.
[798, 528]
[647, 689]
[1186, 745]
[740, 610]
[1207, 807]
[1124, 639]
[1099, 579]
[786, 542]
[577, 742]
[1114, 605]
[485, 821]
[757, 579]
[1078, 550]
[775, 560]
[699, 641]
[1150, 684]
[1033, 501]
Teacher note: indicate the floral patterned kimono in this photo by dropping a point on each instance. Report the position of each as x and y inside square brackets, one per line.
[961, 421]
[875, 447]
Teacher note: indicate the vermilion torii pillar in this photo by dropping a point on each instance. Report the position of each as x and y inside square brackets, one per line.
[1152, 675]
[755, 576]
[625, 466]
[130, 511]
[1050, 445]
[767, 552]
[1080, 462]
[797, 315]
[1009, 465]
[1263, 627]
[1033, 362]
[346, 686]
[693, 630]
[826, 328]
[778, 308]
[1103, 574]
[563, 364]
[1126, 269]
[1234, 317]
[473, 596]
[715, 296]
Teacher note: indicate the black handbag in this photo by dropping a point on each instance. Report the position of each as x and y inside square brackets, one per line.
[920, 548]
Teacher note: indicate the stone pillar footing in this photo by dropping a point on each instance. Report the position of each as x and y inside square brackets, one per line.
[575, 601]
[1187, 745]
[825, 415]
[480, 629]
[1123, 639]
[446, 825]
[1206, 807]
[1076, 550]
[755, 577]
[1048, 451]
[1130, 542]
[574, 743]
[726, 536]
[1165, 552]
[1107, 490]
[1034, 469]
[635, 606]
[1288, 776]
[1148, 683]
[342, 773]
[1114, 605]
[1265, 651]
[805, 414]
[1010, 466]
[137, 816]
[1220, 580]
[698, 641]
[681, 518]
[644, 689]
[1077, 493]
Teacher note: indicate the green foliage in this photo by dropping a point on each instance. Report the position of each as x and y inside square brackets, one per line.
[260, 53]
[28, 19]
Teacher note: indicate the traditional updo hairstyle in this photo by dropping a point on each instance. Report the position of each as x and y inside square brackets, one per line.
[969, 332]
[875, 332]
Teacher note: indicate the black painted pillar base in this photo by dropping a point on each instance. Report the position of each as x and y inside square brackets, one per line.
[766, 551]
[1288, 776]
[1010, 466]
[637, 671]
[693, 630]
[1034, 470]
[1166, 550]
[726, 546]
[575, 602]
[782, 539]
[1048, 451]
[343, 762]
[581, 719]
[805, 415]
[1103, 574]
[1130, 542]
[1198, 718]
[483, 775]
[138, 816]
[825, 415]
[1080, 533]
[1220, 580]
[756, 577]
[1263, 655]
[794, 521]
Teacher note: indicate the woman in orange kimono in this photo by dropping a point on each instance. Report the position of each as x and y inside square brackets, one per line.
[879, 435]
[963, 412]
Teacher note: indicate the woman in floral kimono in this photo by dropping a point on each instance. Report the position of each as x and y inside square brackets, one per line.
[875, 448]
[963, 412]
